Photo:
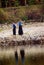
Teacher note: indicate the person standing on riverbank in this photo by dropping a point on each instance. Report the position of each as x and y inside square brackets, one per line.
[20, 31]
[14, 29]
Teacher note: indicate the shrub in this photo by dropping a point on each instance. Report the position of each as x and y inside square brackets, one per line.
[31, 2]
[16, 3]
[25, 18]
[3, 16]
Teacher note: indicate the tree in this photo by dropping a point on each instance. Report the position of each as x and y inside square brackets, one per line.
[3, 3]
[31, 2]
[25, 2]
[42, 11]
[16, 3]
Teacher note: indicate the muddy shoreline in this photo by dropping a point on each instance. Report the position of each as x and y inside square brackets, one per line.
[21, 41]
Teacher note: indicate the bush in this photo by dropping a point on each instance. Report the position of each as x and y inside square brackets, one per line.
[3, 16]
[25, 18]
[31, 2]
[16, 3]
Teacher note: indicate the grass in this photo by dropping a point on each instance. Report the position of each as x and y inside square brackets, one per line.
[14, 14]
[0, 29]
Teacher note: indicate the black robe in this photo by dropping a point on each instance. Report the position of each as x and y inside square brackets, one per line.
[14, 30]
[20, 31]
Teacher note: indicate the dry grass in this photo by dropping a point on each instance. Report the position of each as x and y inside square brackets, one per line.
[14, 14]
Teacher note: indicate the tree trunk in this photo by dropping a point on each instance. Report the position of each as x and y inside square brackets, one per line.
[42, 11]
[25, 2]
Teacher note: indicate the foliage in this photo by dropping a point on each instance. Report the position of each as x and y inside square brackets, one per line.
[25, 18]
[4, 3]
[3, 16]
[42, 12]
[16, 3]
[31, 2]
[14, 14]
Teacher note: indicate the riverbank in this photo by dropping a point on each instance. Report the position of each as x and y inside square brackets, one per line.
[33, 34]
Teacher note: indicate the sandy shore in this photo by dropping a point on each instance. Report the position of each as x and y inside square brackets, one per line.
[32, 29]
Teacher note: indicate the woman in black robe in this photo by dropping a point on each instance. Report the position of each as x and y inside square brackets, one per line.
[20, 31]
[14, 29]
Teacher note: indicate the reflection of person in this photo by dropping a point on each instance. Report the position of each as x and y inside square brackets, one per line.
[22, 53]
[14, 29]
[16, 57]
[20, 31]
